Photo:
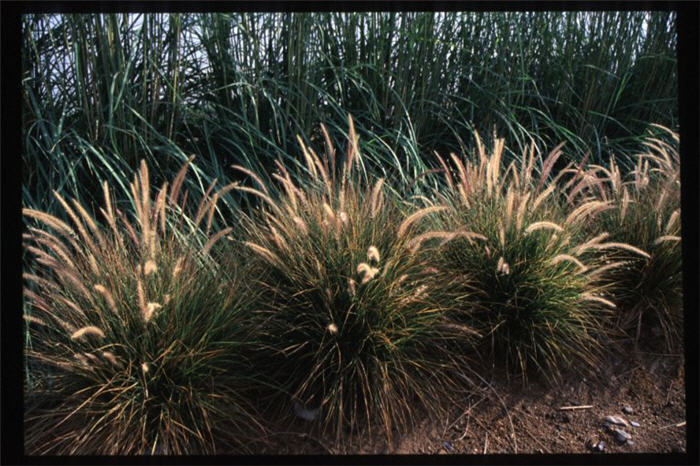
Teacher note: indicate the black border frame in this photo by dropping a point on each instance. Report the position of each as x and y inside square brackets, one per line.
[688, 15]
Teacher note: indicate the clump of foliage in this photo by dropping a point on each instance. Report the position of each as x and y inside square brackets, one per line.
[138, 337]
[238, 87]
[351, 317]
[536, 288]
[648, 289]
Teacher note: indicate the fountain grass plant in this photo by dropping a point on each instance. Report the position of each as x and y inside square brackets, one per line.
[138, 337]
[536, 288]
[356, 335]
[648, 290]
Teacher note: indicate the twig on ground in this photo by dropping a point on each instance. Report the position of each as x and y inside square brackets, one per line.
[567, 408]
[466, 431]
[486, 442]
[679, 424]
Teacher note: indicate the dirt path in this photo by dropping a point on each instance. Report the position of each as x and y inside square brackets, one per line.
[507, 419]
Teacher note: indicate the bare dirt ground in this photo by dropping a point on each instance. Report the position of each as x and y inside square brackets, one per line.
[507, 418]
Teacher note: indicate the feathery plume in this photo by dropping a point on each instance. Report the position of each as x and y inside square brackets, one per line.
[589, 208]
[502, 267]
[36, 320]
[415, 243]
[415, 216]
[624, 246]
[215, 238]
[464, 185]
[177, 182]
[151, 308]
[520, 215]
[665, 238]
[352, 287]
[367, 271]
[375, 198]
[672, 220]
[548, 165]
[301, 225]
[543, 225]
[255, 177]
[598, 299]
[142, 298]
[265, 253]
[109, 356]
[572, 259]
[601, 270]
[150, 267]
[50, 221]
[178, 266]
[373, 254]
[590, 243]
[107, 295]
[89, 330]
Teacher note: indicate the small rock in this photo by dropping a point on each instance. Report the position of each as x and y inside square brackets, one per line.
[634, 424]
[593, 443]
[447, 446]
[615, 420]
[630, 442]
[627, 410]
[566, 417]
[621, 436]
[306, 414]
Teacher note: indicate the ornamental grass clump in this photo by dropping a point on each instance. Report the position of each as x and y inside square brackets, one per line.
[358, 340]
[535, 279]
[138, 338]
[647, 289]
